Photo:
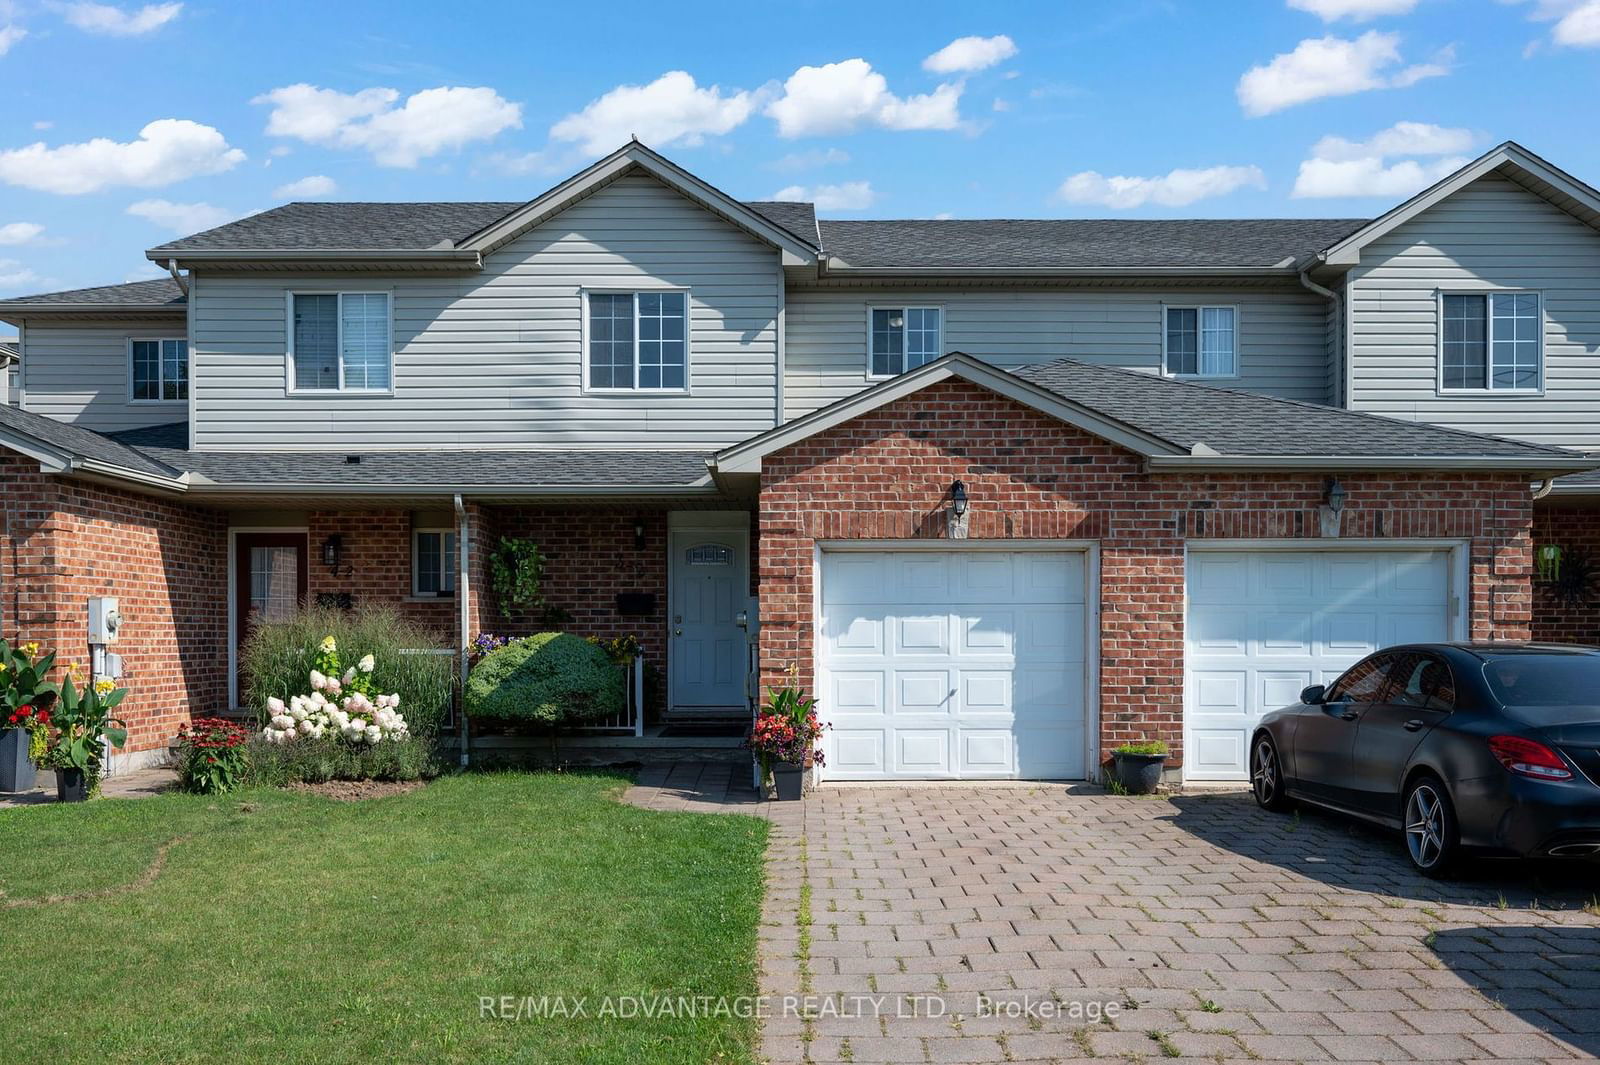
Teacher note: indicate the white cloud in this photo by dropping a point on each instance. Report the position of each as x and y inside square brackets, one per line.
[849, 196]
[670, 110]
[19, 232]
[1394, 163]
[168, 150]
[13, 274]
[1332, 66]
[181, 217]
[9, 36]
[840, 97]
[315, 187]
[1577, 22]
[1177, 188]
[44, 125]
[115, 22]
[965, 55]
[429, 122]
[1354, 10]
[811, 160]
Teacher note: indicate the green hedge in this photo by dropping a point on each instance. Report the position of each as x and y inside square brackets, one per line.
[553, 678]
[277, 660]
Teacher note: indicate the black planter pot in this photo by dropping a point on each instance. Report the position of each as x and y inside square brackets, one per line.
[789, 779]
[1138, 774]
[16, 772]
[71, 785]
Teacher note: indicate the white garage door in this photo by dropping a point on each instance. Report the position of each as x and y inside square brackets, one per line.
[953, 664]
[1264, 624]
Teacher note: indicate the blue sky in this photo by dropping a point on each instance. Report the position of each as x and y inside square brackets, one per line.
[123, 126]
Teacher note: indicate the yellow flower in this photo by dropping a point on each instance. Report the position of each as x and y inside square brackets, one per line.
[328, 645]
[31, 649]
[104, 687]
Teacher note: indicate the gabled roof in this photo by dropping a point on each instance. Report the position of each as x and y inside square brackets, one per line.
[161, 294]
[1181, 425]
[332, 226]
[1538, 175]
[63, 448]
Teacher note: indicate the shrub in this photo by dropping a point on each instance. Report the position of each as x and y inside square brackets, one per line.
[317, 761]
[553, 678]
[280, 655]
[213, 756]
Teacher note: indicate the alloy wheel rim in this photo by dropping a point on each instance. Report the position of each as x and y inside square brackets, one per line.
[1425, 826]
[1266, 771]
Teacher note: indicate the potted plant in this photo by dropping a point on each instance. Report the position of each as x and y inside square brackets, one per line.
[784, 737]
[25, 701]
[81, 721]
[1136, 767]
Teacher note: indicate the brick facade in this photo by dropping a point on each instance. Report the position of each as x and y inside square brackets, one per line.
[1577, 532]
[885, 475]
[63, 541]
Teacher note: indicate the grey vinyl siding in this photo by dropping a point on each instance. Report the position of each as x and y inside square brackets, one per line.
[1282, 335]
[78, 372]
[1491, 234]
[494, 359]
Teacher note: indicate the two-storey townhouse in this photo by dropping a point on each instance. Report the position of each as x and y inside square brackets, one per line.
[1003, 492]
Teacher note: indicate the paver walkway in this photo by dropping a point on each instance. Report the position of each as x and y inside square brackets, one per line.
[137, 784]
[1211, 930]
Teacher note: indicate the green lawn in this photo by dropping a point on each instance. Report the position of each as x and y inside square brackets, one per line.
[287, 928]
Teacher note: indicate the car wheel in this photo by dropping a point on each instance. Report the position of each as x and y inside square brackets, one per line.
[1266, 775]
[1432, 838]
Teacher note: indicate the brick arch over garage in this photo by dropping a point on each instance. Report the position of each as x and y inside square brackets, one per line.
[885, 475]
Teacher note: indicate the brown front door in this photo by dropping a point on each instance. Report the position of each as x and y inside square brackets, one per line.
[269, 580]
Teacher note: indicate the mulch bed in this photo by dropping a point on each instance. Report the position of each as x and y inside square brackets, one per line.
[356, 790]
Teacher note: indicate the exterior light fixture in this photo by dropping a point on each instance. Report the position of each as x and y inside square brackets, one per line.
[1336, 494]
[958, 499]
[332, 548]
[638, 533]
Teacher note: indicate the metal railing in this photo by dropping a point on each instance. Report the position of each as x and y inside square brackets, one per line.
[631, 717]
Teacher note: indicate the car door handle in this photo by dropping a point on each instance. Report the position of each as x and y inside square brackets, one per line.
[1414, 724]
[1349, 715]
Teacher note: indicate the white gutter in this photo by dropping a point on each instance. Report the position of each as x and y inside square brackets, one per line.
[463, 600]
[200, 486]
[1493, 463]
[839, 266]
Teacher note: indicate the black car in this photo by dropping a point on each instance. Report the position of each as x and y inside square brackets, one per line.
[1465, 746]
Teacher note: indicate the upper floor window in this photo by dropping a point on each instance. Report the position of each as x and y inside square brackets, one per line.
[1202, 342]
[903, 338]
[340, 341]
[638, 341]
[159, 370]
[433, 562]
[1491, 340]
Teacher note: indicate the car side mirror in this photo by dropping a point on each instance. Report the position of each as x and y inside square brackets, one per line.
[1312, 696]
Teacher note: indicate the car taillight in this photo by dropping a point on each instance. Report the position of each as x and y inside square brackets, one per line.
[1529, 758]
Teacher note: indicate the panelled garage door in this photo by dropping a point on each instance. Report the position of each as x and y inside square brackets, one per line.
[1263, 624]
[953, 664]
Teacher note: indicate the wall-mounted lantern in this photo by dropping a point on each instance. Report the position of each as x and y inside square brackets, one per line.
[1332, 509]
[957, 524]
[638, 533]
[332, 551]
[1336, 494]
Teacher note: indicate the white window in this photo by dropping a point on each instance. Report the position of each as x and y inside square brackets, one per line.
[1491, 341]
[1202, 342]
[638, 341]
[903, 338]
[433, 563]
[158, 371]
[340, 341]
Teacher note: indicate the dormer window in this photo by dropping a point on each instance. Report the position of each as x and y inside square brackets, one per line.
[636, 341]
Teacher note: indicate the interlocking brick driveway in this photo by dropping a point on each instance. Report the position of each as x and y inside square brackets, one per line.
[1218, 931]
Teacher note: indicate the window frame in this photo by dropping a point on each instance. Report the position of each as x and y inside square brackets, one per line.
[872, 307]
[1200, 309]
[635, 291]
[1488, 295]
[446, 571]
[161, 362]
[288, 337]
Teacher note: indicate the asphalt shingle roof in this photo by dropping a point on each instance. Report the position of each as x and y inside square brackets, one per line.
[82, 442]
[348, 226]
[797, 217]
[161, 292]
[1234, 422]
[1081, 242]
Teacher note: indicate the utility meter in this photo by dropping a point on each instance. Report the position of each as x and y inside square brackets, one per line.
[104, 620]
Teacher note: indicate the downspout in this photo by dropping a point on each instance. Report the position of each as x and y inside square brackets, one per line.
[1544, 488]
[464, 601]
[1338, 323]
[172, 268]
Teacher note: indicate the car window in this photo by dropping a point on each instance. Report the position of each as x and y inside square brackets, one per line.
[1424, 681]
[1544, 680]
[1364, 682]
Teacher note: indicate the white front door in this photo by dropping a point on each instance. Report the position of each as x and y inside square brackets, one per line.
[1263, 624]
[710, 587]
[962, 664]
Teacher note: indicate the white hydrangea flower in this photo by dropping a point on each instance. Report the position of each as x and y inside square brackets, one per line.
[366, 664]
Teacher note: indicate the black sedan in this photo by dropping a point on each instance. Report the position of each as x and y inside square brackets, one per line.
[1490, 748]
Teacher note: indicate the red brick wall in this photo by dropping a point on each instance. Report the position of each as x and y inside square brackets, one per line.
[375, 566]
[885, 475]
[1576, 532]
[63, 541]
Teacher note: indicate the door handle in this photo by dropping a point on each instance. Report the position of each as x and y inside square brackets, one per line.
[677, 632]
[1414, 724]
[1349, 715]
